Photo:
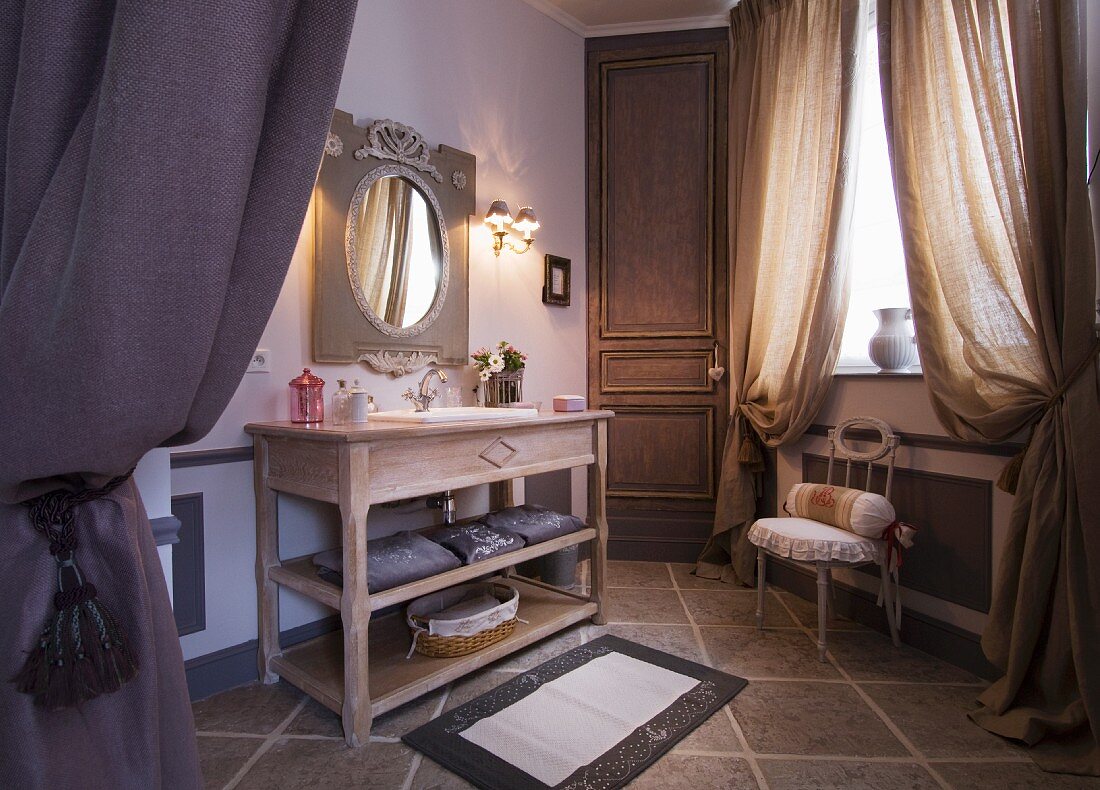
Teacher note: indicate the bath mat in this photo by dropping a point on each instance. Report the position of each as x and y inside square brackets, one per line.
[592, 718]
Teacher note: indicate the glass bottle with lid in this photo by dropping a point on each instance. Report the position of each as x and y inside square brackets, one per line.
[360, 402]
[307, 398]
[341, 404]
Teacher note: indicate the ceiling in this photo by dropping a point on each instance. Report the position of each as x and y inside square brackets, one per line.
[620, 17]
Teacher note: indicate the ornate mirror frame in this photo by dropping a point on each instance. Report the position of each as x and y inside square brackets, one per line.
[345, 329]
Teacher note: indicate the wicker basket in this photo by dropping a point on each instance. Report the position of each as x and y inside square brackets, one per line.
[438, 646]
[504, 387]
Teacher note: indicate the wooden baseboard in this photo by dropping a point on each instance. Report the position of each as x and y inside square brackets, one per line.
[935, 637]
[653, 549]
[236, 665]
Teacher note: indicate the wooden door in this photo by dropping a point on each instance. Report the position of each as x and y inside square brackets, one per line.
[658, 285]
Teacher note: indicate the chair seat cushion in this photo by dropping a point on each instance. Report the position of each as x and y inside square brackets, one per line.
[811, 541]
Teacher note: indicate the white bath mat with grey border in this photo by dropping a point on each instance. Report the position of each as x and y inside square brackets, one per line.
[592, 718]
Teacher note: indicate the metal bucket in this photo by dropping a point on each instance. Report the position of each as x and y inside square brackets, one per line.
[560, 567]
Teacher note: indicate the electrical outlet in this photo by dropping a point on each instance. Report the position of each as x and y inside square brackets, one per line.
[260, 362]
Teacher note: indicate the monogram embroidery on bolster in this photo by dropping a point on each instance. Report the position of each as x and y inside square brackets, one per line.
[823, 497]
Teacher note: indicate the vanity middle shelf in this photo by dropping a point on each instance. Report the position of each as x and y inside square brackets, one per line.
[300, 573]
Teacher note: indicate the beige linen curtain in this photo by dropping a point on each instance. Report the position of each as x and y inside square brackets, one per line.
[794, 123]
[985, 109]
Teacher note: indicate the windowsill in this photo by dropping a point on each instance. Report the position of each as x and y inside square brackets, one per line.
[871, 372]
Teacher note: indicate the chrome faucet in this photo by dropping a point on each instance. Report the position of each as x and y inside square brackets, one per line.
[422, 400]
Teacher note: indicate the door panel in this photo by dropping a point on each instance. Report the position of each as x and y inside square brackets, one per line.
[640, 371]
[657, 153]
[658, 284]
[661, 452]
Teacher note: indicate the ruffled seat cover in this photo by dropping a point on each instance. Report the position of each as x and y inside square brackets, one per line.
[811, 541]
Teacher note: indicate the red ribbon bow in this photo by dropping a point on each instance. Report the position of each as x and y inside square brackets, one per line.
[892, 536]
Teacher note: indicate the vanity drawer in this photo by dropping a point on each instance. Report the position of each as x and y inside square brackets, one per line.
[407, 468]
[301, 467]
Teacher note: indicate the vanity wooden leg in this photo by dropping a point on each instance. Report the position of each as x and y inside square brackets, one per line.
[267, 556]
[597, 518]
[502, 494]
[355, 600]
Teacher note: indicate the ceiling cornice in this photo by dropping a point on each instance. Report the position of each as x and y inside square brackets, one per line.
[656, 26]
[567, 21]
[626, 28]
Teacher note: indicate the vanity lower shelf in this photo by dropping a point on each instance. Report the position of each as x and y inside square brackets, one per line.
[300, 574]
[317, 666]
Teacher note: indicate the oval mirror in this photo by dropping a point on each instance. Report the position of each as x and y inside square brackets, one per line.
[397, 252]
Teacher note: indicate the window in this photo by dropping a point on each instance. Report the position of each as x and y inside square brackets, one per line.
[877, 261]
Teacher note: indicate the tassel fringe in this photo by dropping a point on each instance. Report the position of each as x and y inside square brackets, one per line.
[749, 454]
[81, 653]
[1010, 475]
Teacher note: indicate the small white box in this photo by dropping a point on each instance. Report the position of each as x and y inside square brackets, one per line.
[569, 403]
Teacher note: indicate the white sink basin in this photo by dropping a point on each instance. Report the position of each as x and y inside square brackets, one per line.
[451, 414]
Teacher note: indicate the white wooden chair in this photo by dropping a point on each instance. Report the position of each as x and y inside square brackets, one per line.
[826, 547]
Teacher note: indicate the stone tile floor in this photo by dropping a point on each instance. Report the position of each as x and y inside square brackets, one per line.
[871, 717]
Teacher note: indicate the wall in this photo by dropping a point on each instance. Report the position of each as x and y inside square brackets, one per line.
[498, 79]
[154, 482]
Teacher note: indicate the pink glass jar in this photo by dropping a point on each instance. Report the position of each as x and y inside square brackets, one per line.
[307, 399]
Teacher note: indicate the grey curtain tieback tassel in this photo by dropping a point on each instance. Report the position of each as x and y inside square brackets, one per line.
[82, 650]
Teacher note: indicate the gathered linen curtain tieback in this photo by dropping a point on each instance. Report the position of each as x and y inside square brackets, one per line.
[1010, 475]
[82, 651]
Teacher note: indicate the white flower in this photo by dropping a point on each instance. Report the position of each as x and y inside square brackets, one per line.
[484, 374]
[496, 363]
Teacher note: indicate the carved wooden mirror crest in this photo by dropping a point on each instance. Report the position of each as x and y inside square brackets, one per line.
[391, 247]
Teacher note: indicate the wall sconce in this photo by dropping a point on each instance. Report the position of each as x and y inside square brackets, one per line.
[499, 216]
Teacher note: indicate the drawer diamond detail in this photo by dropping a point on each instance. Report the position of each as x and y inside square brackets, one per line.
[498, 453]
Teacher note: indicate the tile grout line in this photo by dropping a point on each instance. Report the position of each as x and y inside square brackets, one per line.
[418, 758]
[919, 756]
[705, 753]
[749, 756]
[704, 625]
[268, 742]
[257, 737]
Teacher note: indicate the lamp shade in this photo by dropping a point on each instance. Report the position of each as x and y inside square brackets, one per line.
[526, 220]
[498, 214]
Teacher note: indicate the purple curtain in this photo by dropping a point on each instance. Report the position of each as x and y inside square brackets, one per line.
[156, 162]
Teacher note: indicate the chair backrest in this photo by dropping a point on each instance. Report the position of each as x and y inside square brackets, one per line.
[885, 448]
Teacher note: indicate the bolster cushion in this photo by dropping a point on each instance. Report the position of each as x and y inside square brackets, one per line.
[857, 511]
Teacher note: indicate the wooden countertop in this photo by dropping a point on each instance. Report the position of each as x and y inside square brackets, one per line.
[365, 432]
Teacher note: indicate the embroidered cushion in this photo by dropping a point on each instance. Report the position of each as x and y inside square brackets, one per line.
[849, 509]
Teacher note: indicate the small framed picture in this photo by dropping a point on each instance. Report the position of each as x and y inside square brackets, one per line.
[556, 288]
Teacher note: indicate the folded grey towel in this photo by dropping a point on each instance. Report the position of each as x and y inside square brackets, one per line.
[391, 561]
[534, 523]
[475, 541]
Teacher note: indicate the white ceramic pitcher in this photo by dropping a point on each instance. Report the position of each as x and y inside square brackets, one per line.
[893, 347]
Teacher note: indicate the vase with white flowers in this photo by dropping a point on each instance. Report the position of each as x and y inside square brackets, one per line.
[500, 370]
